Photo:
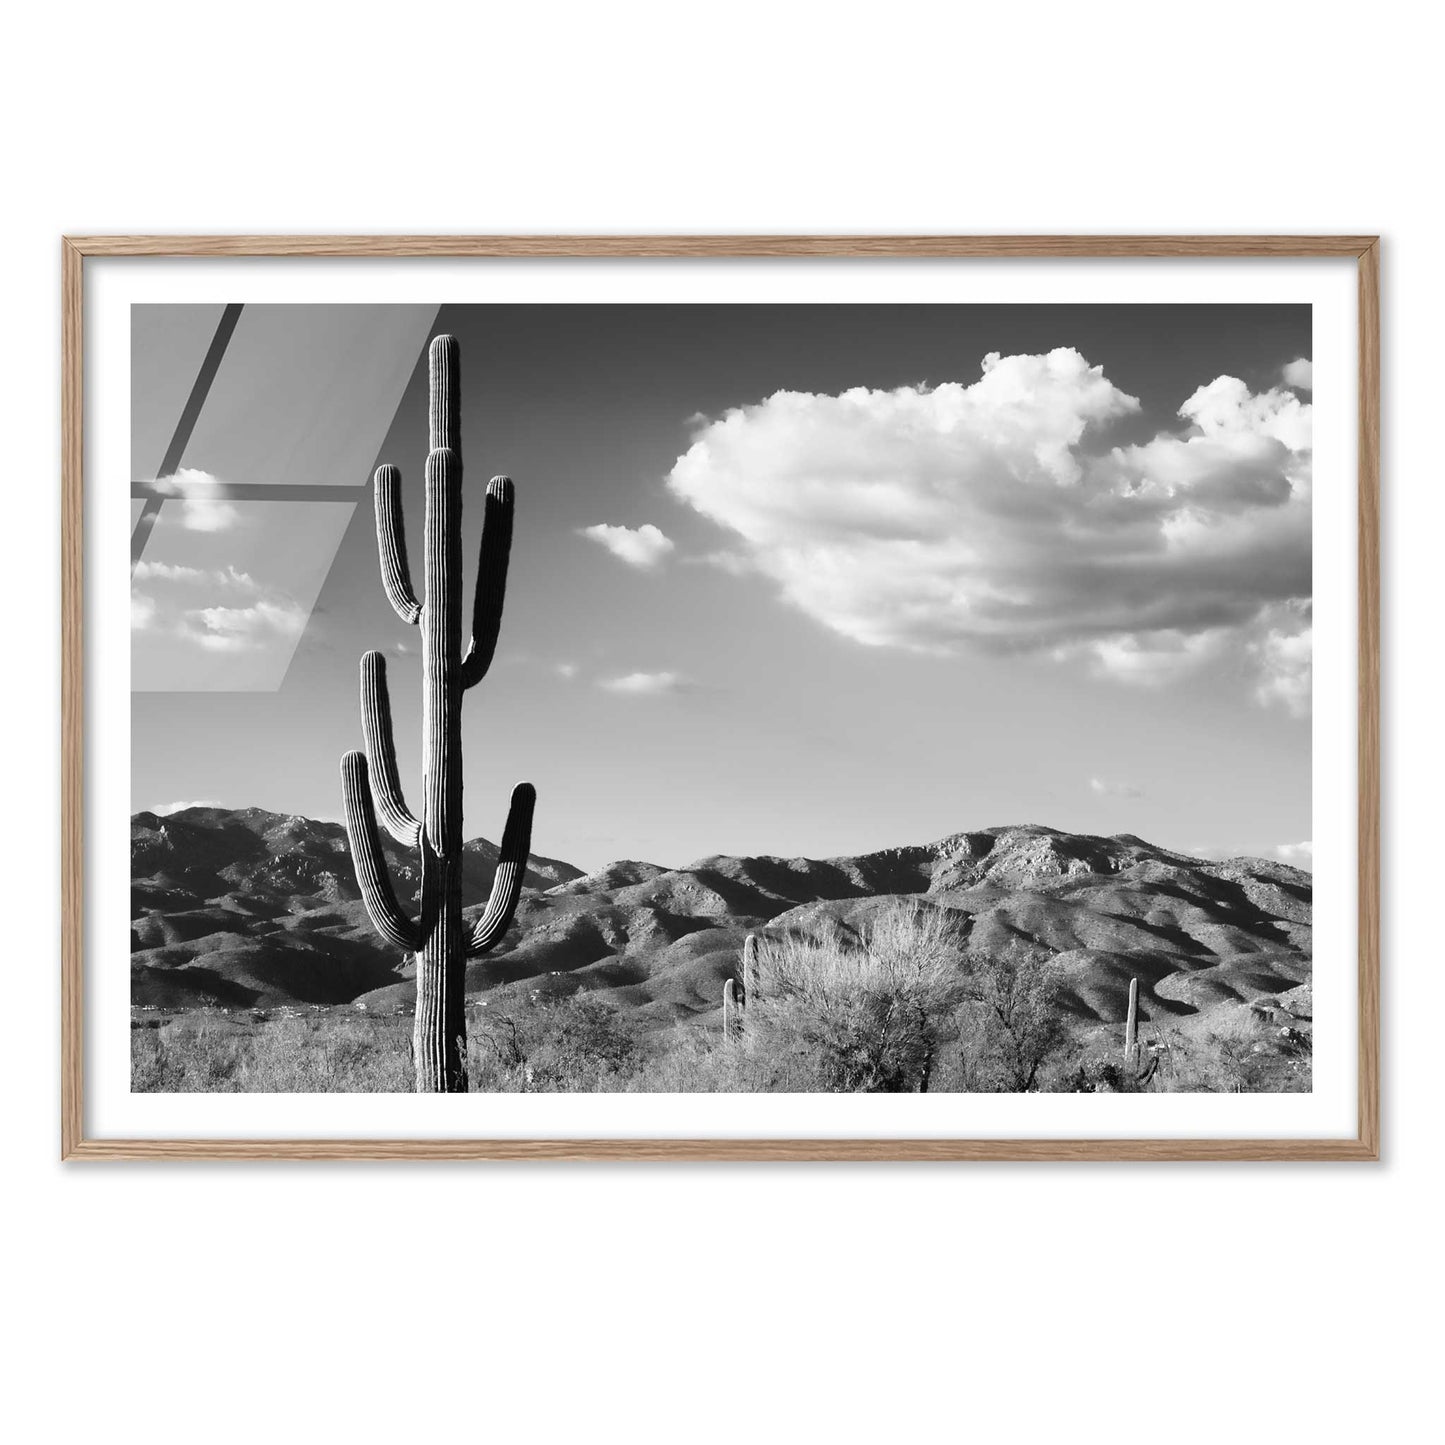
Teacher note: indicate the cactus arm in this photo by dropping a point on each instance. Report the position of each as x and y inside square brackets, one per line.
[381, 752]
[730, 1008]
[391, 546]
[511, 870]
[366, 856]
[491, 590]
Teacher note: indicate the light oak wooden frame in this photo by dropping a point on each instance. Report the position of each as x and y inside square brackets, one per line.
[1363, 1146]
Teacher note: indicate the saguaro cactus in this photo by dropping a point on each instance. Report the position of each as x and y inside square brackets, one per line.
[1131, 1024]
[370, 780]
[1142, 1059]
[733, 1003]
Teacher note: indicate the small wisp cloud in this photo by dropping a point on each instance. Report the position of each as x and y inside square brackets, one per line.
[644, 547]
[242, 629]
[1103, 788]
[646, 684]
[166, 600]
[190, 512]
[228, 579]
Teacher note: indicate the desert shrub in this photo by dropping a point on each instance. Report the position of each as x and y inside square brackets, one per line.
[589, 1039]
[860, 1014]
[891, 1009]
[577, 1044]
[1012, 1034]
[1248, 1057]
[693, 1059]
[1236, 1056]
[1104, 1074]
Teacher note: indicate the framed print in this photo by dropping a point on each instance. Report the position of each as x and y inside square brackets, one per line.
[721, 697]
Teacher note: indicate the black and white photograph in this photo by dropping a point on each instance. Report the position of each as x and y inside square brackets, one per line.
[726, 720]
[721, 698]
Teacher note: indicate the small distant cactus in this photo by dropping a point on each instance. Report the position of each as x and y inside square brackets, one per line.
[1140, 1059]
[733, 1003]
[1131, 1025]
[750, 967]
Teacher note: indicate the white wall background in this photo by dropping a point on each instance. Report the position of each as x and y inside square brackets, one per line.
[649, 1303]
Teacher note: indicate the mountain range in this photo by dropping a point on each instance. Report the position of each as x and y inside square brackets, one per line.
[251, 908]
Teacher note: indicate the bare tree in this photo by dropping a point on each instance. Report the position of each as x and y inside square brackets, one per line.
[1011, 1027]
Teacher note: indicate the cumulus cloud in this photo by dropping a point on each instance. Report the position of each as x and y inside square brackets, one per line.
[194, 513]
[245, 629]
[566, 670]
[995, 515]
[175, 484]
[143, 612]
[1300, 373]
[163, 809]
[1298, 855]
[1151, 659]
[227, 578]
[208, 514]
[171, 600]
[1105, 789]
[643, 547]
[646, 684]
[1284, 652]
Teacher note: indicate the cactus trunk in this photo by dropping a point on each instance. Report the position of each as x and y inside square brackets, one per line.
[439, 1032]
[439, 1029]
[439, 937]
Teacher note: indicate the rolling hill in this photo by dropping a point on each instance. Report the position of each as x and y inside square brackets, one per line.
[238, 908]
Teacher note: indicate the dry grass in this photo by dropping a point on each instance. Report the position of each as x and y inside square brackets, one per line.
[1236, 1056]
[330, 1052]
[1232, 1054]
[899, 1008]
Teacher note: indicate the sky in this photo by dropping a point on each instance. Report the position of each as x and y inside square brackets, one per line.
[796, 580]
